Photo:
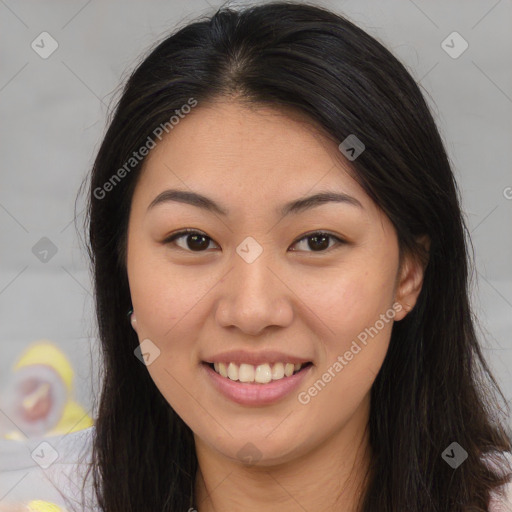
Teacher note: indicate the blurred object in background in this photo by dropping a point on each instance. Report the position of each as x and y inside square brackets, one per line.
[33, 506]
[38, 395]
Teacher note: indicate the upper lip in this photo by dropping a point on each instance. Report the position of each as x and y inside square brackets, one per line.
[255, 358]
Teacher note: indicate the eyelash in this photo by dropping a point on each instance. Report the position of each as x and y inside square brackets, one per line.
[184, 232]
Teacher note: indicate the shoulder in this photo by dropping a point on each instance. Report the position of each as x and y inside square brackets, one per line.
[501, 498]
[52, 469]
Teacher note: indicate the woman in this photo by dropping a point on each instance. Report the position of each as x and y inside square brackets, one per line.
[273, 208]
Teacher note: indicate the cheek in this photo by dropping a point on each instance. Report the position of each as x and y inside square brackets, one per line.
[355, 297]
[160, 292]
[357, 308]
[164, 300]
[161, 301]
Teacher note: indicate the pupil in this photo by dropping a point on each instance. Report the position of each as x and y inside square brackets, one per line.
[323, 245]
[195, 238]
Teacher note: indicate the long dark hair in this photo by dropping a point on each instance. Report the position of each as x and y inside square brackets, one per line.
[434, 387]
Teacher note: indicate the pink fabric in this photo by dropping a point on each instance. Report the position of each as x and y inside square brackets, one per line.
[502, 504]
[501, 499]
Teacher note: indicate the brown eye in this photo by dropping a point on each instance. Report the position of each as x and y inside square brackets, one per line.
[195, 241]
[319, 241]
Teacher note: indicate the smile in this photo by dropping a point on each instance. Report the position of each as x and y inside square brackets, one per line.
[261, 374]
[250, 392]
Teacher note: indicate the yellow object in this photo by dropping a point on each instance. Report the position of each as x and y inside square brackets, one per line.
[74, 416]
[45, 352]
[43, 506]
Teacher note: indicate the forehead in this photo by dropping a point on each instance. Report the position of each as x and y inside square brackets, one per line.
[253, 154]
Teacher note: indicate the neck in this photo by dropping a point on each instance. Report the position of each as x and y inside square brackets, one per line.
[328, 478]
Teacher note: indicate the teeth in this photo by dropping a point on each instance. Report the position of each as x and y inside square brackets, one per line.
[278, 371]
[222, 370]
[233, 371]
[246, 373]
[261, 374]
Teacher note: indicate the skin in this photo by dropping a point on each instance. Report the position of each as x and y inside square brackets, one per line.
[313, 304]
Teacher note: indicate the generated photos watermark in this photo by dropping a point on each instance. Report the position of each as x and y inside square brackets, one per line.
[304, 397]
[143, 151]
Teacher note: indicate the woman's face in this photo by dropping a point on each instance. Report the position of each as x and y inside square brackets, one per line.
[252, 288]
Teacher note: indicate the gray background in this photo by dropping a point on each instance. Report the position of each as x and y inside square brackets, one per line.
[53, 115]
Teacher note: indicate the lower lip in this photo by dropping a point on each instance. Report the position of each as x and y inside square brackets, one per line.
[255, 393]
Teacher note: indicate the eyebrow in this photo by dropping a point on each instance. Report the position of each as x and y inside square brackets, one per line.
[297, 206]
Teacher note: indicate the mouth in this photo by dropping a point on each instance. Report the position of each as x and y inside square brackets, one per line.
[257, 374]
[256, 385]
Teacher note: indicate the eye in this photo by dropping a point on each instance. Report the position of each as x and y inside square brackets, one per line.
[319, 241]
[196, 241]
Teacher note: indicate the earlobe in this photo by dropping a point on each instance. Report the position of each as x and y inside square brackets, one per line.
[133, 321]
[411, 279]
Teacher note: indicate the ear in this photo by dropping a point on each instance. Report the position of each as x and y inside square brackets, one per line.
[410, 279]
[133, 321]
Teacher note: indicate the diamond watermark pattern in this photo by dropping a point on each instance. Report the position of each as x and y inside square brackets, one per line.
[44, 45]
[44, 250]
[147, 352]
[45, 454]
[249, 249]
[454, 45]
[454, 455]
[351, 147]
[249, 454]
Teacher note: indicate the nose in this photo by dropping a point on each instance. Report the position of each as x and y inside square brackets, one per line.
[254, 297]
